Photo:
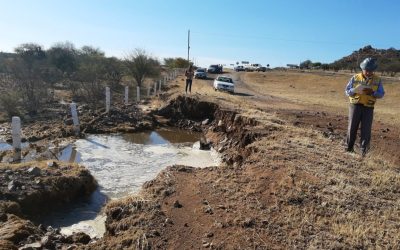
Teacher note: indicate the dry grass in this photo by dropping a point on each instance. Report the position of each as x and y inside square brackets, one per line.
[69, 169]
[327, 198]
[322, 89]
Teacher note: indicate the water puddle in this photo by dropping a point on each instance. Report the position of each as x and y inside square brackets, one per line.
[121, 163]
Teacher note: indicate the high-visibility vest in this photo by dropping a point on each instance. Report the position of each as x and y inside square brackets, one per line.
[366, 100]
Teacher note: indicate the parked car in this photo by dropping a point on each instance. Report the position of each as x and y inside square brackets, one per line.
[215, 69]
[239, 68]
[261, 68]
[248, 68]
[224, 83]
[200, 73]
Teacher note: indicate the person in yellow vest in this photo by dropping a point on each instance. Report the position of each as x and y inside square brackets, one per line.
[363, 89]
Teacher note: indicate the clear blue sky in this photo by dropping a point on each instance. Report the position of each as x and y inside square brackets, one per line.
[266, 32]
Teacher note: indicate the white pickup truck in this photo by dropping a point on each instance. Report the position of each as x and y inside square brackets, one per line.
[255, 67]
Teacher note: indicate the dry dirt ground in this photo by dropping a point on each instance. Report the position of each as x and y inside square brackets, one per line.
[285, 182]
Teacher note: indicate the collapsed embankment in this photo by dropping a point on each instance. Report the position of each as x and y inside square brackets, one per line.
[180, 196]
[280, 186]
[31, 189]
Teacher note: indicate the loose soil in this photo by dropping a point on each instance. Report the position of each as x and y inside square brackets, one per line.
[285, 181]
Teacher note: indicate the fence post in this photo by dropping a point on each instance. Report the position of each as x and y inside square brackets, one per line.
[126, 94]
[75, 119]
[138, 93]
[16, 132]
[108, 99]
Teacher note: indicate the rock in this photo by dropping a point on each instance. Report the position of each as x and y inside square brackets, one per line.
[177, 204]
[155, 233]
[52, 164]
[36, 245]
[209, 235]
[205, 122]
[248, 222]
[204, 144]
[47, 242]
[42, 227]
[12, 185]
[35, 171]
[80, 238]
[50, 229]
[219, 225]
[206, 244]
[220, 123]
[208, 210]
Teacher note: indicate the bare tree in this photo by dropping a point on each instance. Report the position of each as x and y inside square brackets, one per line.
[90, 75]
[28, 70]
[141, 66]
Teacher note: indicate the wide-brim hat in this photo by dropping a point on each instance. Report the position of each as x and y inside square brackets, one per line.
[369, 64]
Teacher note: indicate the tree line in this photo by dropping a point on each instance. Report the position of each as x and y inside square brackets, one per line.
[30, 75]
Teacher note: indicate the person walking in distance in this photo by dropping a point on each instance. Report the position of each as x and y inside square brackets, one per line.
[189, 78]
[363, 89]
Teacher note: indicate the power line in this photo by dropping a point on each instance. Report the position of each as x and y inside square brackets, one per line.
[241, 36]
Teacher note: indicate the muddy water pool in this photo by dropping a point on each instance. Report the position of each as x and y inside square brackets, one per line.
[121, 163]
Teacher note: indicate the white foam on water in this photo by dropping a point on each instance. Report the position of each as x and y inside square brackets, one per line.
[121, 167]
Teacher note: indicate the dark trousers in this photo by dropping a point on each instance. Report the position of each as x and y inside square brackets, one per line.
[188, 84]
[364, 115]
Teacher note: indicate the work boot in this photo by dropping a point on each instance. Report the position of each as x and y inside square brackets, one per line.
[364, 152]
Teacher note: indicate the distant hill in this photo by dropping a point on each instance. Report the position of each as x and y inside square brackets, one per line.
[388, 60]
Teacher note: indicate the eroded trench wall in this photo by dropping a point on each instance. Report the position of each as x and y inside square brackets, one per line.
[226, 130]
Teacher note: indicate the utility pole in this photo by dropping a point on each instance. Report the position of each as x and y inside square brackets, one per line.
[188, 46]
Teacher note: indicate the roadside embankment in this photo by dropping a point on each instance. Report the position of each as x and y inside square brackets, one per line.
[35, 188]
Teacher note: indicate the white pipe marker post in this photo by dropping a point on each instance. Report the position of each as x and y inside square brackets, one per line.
[75, 119]
[108, 99]
[126, 94]
[16, 132]
[138, 93]
[160, 84]
[155, 88]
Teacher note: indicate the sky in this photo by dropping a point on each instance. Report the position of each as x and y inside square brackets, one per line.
[270, 32]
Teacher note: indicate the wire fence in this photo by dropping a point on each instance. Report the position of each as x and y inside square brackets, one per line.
[134, 93]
